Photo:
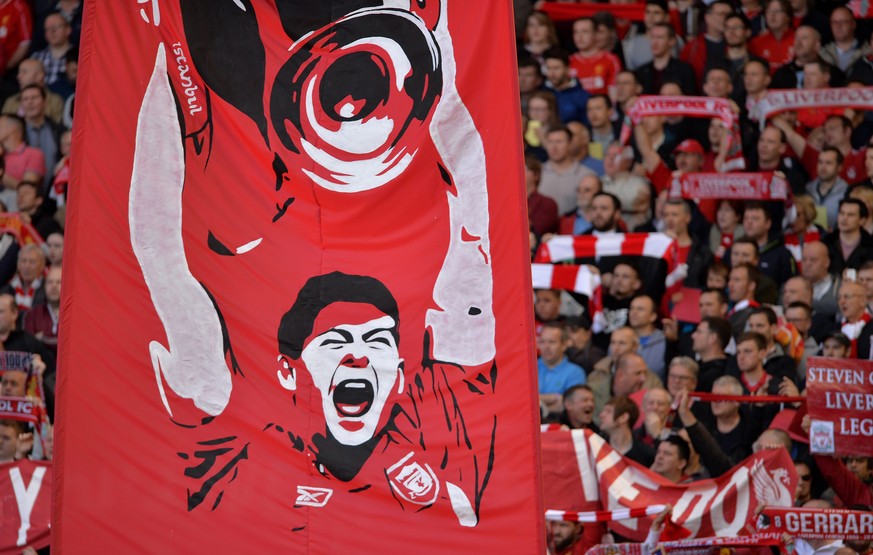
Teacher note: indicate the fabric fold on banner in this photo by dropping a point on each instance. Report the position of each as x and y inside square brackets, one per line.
[582, 472]
[777, 101]
[741, 186]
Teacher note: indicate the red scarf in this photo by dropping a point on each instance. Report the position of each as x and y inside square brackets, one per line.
[853, 330]
[757, 386]
[24, 297]
[742, 305]
[727, 239]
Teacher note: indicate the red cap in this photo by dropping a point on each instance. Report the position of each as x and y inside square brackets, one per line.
[689, 145]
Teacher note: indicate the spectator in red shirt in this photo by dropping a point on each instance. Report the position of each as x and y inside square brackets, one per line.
[807, 45]
[838, 134]
[708, 48]
[595, 69]
[816, 75]
[16, 31]
[776, 44]
[689, 159]
[22, 162]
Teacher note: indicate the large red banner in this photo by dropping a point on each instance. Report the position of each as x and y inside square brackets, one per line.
[840, 400]
[295, 314]
[582, 472]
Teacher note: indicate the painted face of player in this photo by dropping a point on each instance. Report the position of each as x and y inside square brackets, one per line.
[355, 367]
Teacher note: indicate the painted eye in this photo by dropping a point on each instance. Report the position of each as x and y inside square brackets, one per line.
[354, 98]
[427, 10]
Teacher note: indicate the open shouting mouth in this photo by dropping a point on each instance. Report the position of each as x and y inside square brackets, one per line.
[353, 398]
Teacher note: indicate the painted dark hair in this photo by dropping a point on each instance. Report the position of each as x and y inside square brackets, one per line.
[320, 291]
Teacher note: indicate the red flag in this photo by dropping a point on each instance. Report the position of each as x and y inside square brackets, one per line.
[313, 332]
[25, 496]
[582, 472]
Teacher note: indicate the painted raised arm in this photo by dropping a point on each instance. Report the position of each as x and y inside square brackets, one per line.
[463, 324]
[192, 364]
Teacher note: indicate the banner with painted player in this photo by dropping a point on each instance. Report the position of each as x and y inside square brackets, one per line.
[318, 319]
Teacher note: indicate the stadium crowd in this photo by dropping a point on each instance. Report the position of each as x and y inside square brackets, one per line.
[768, 283]
[38, 66]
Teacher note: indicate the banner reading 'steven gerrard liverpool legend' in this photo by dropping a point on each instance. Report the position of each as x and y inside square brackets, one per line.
[295, 313]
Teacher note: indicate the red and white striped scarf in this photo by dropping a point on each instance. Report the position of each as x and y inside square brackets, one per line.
[604, 516]
[727, 239]
[548, 273]
[24, 295]
[579, 279]
[853, 330]
[564, 248]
